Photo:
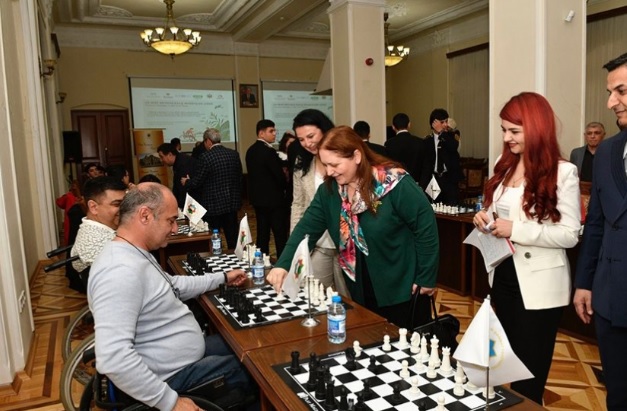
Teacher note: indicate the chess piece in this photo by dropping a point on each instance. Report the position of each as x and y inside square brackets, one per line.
[343, 399]
[329, 295]
[424, 352]
[446, 368]
[357, 349]
[459, 385]
[459, 372]
[366, 392]
[404, 370]
[414, 390]
[434, 351]
[360, 405]
[440, 406]
[329, 401]
[321, 391]
[419, 366]
[491, 393]
[350, 360]
[415, 344]
[386, 343]
[431, 372]
[402, 338]
[295, 367]
[396, 398]
[373, 364]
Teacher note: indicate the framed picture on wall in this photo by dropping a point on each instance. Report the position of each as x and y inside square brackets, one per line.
[248, 95]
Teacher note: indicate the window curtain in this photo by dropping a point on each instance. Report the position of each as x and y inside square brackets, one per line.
[468, 79]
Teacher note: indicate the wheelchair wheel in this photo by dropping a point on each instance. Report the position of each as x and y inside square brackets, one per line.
[77, 373]
[81, 325]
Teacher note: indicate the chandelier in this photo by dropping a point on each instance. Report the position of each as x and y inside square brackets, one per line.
[393, 54]
[170, 39]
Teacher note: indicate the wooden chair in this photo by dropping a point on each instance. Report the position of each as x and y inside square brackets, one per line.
[475, 174]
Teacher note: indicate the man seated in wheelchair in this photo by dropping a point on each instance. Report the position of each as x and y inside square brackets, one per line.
[103, 196]
[147, 341]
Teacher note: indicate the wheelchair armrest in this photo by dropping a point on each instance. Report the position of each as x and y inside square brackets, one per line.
[59, 264]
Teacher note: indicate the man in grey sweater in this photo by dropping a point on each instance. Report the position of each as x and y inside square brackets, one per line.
[147, 341]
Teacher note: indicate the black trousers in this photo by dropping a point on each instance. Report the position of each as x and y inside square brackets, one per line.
[612, 343]
[229, 225]
[450, 190]
[531, 333]
[275, 219]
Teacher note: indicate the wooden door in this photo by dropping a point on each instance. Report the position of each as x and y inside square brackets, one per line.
[105, 137]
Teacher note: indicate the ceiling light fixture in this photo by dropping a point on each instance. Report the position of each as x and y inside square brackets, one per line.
[170, 39]
[393, 54]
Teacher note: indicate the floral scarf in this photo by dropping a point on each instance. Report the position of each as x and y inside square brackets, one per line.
[351, 235]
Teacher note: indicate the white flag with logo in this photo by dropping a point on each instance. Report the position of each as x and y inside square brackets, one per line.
[433, 189]
[485, 345]
[299, 269]
[243, 238]
[193, 210]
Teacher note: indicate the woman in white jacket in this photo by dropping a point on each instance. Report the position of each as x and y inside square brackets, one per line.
[310, 125]
[532, 199]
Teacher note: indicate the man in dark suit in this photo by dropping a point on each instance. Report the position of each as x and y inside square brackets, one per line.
[445, 167]
[181, 165]
[218, 177]
[363, 130]
[267, 184]
[409, 150]
[602, 266]
[583, 157]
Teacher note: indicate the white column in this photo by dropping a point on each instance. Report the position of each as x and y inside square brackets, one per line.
[358, 86]
[540, 46]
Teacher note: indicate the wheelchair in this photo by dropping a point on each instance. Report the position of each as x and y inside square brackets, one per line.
[82, 388]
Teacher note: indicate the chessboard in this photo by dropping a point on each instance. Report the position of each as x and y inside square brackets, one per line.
[385, 377]
[260, 306]
[197, 265]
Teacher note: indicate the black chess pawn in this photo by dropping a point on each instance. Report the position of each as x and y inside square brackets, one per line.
[295, 367]
[343, 406]
[321, 390]
[397, 398]
[312, 382]
[329, 401]
[373, 363]
[366, 393]
[350, 359]
[422, 406]
[360, 405]
[258, 315]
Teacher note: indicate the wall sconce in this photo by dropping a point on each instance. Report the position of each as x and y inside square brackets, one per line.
[49, 66]
[62, 97]
[570, 16]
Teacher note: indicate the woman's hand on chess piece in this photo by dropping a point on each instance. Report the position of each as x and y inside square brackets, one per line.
[275, 278]
[236, 277]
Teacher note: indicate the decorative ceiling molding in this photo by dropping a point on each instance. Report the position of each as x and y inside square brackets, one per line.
[110, 11]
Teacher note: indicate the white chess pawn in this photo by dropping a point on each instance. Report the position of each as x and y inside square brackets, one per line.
[459, 372]
[441, 401]
[434, 351]
[321, 295]
[446, 368]
[404, 370]
[386, 343]
[459, 386]
[431, 372]
[357, 349]
[419, 366]
[414, 390]
[316, 289]
[402, 338]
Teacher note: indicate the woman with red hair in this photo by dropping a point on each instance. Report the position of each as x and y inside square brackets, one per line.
[532, 199]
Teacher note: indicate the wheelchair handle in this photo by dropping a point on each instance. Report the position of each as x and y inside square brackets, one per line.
[60, 263]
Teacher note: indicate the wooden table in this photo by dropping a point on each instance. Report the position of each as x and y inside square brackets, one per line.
[182, 244]
[277, 395]
[245, 340]
[454, 269]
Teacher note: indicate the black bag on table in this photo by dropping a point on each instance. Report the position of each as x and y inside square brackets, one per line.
[445, 327]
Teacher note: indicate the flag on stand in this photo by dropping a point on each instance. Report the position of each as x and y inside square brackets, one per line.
[193, 210]
[243, 238]
[485, 345]
[299, 269]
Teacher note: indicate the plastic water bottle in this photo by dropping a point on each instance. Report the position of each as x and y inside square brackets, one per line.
[216, 242]
[258, 269]
[479, 204]
[336, 321]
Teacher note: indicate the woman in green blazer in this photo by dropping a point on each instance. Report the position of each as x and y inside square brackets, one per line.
[381, 222]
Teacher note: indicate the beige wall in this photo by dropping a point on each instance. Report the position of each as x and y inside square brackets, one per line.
[98, 78]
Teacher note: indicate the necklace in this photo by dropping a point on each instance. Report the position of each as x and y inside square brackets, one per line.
[174, 289]
[513, 182]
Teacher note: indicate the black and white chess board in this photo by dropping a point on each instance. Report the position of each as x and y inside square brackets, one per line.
[261, 306]
[197, 265]
[372, 381]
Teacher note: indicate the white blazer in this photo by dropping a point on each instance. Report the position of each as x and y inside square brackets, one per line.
[540, 259]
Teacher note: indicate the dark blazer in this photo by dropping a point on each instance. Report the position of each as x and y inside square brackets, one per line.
[266, 180]
[576, 157]
[602, 266]
[447, 149]
[412, 153]
[377, 148]
[183, 165]
[218, 178]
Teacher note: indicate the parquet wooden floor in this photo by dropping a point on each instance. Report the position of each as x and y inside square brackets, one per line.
[573, 381]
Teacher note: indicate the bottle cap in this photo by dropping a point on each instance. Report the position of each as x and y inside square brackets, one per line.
[215, 231]
[257, 253]
[336, 299]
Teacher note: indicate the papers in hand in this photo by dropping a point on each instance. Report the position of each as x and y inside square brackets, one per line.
[433, 189]
[493, 250]
[484, 346]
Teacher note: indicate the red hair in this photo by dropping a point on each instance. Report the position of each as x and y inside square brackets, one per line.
[541, 158]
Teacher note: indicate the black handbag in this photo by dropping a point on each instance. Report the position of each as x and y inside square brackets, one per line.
[445, 327]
